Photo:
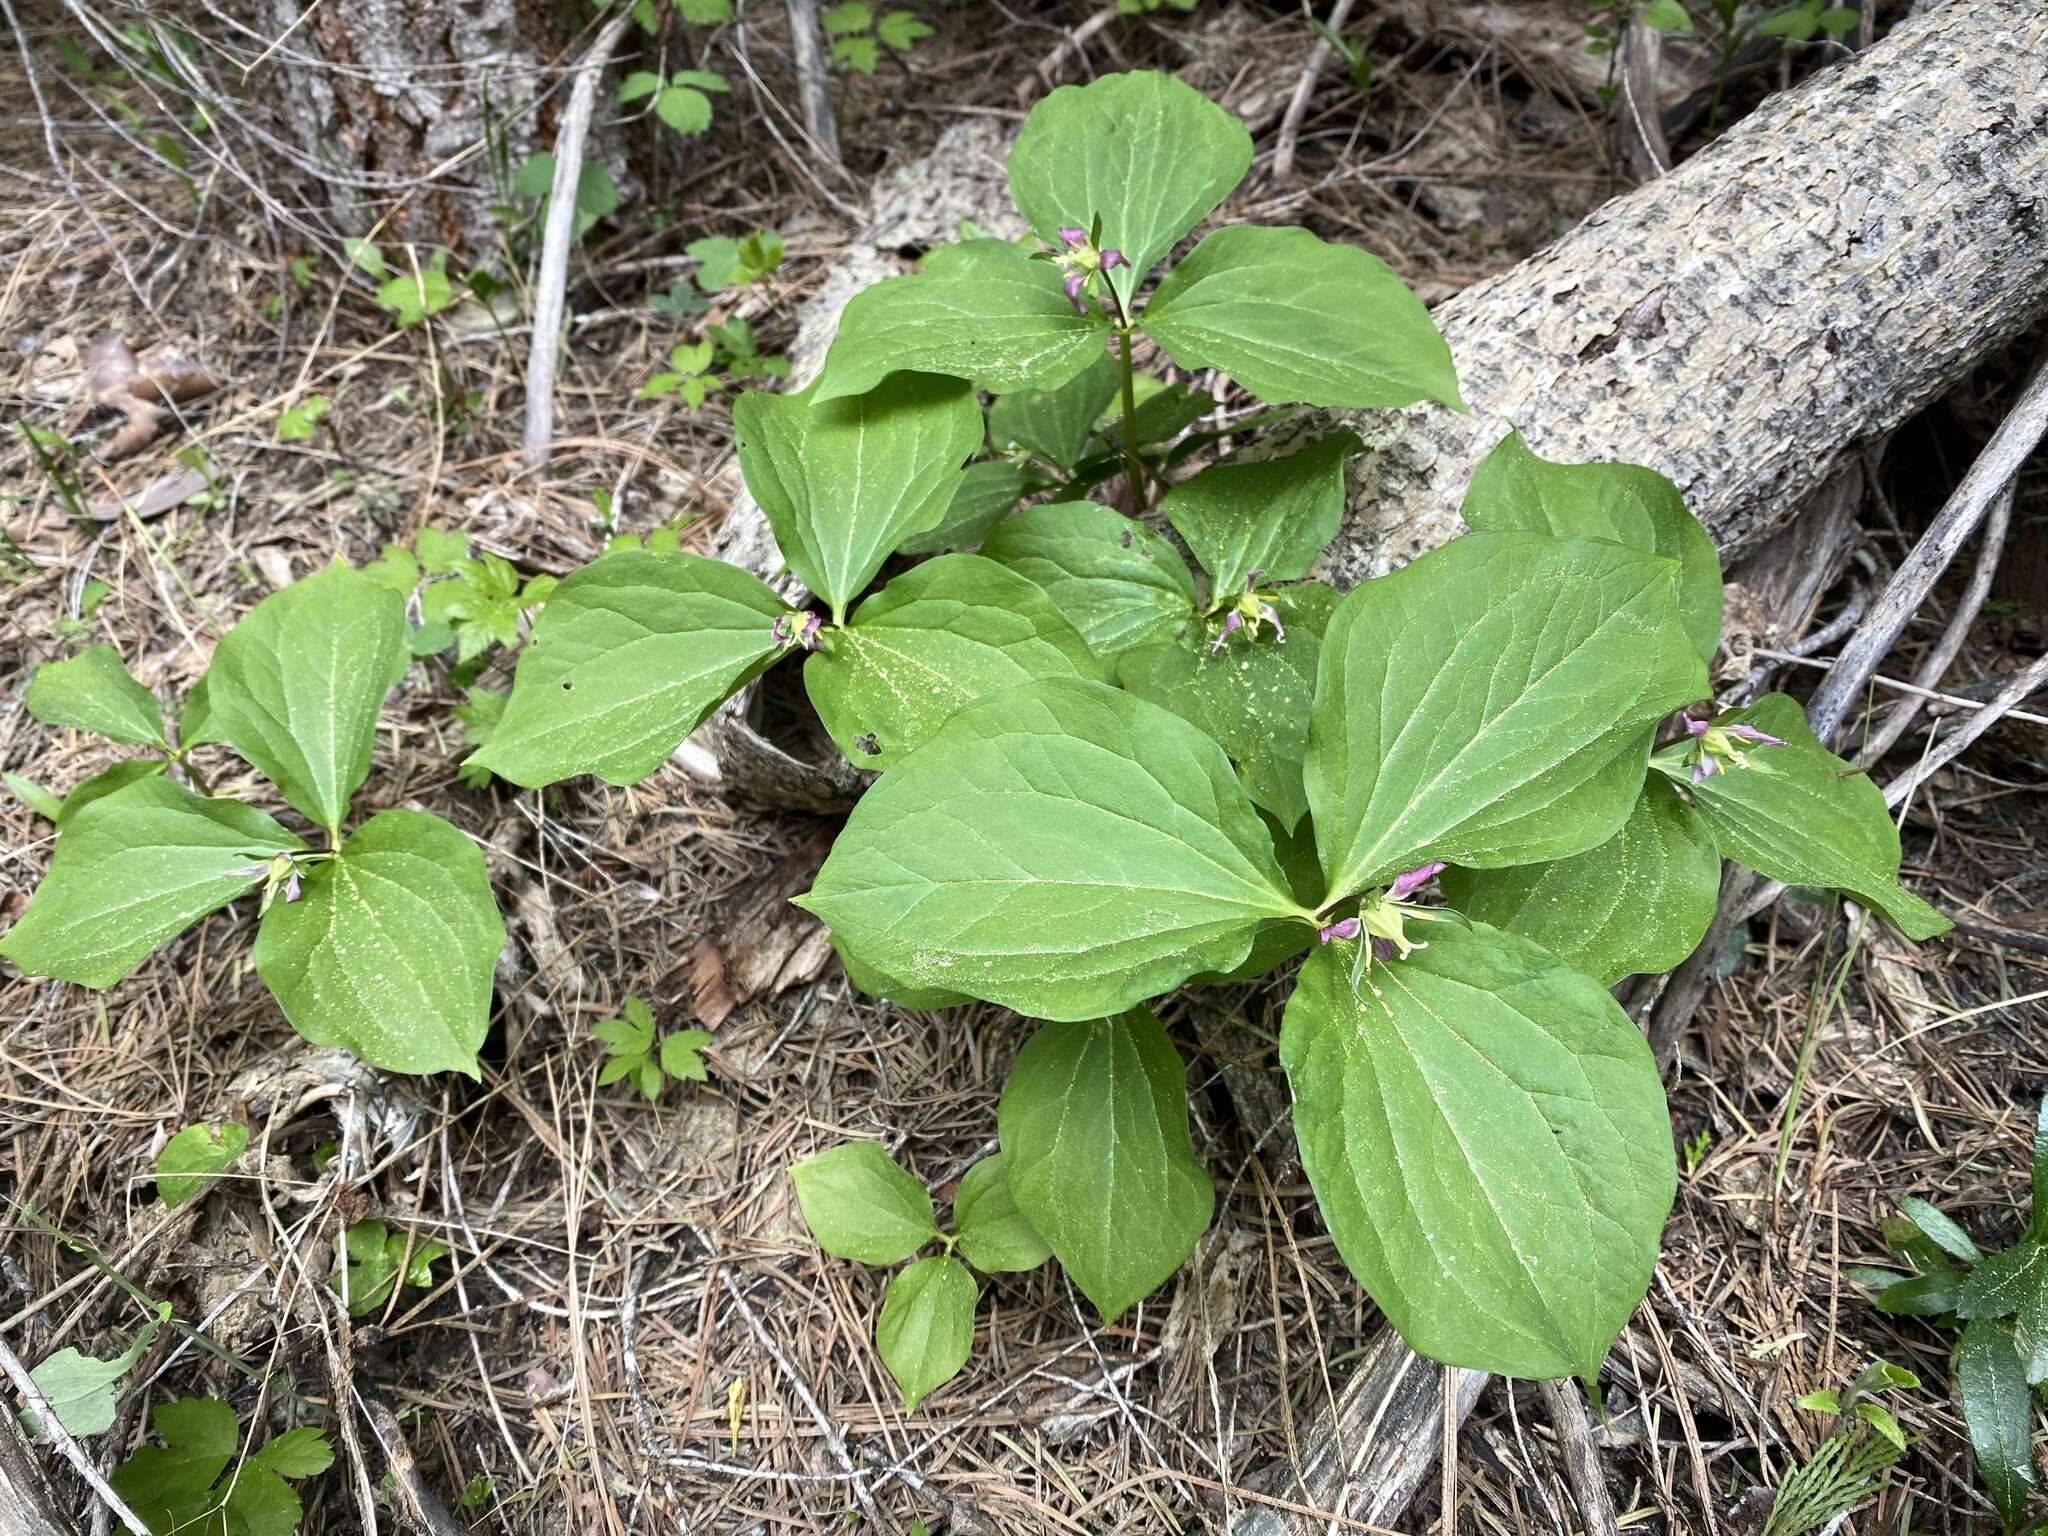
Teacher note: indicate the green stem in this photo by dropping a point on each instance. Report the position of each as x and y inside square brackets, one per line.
[1134, 469]
[198, 779]
[1730, 41]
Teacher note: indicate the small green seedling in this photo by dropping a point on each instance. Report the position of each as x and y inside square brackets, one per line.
[860, 1204]
[597, 195]
[857, 38]
[698, 13]
[680, 99]
[301, 421]
[54, 453]
[374, 1260]
[90, 596]
[633, 1051]
[1999, 1303]
[410, 290]
[479, 716]
[201, 1479]
[1696, 1146]
[1847, 1470]
[723, 262]
[195, 1157]
[471, 602]
[723, 356]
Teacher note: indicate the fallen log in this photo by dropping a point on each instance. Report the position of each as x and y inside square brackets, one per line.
[1840, 259]
[1837, 261]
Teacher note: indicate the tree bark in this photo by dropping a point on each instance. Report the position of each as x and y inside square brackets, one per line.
[410, 105]
[28, 1504]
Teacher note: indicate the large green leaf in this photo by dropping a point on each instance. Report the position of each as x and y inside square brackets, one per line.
[1802, 815]
[1637, 904]
[860, 1204]
[1279, 939]
[297, 685]
[1148, 155]
[1252, 696]
[1473, 706]
[993, 1234]
[1055, 424]
[892, 989]
[196, 725]
[988, 313]
[1120, 584]
[1273, 517]
[936, 637]
[1513, 488]
[2012, 1282]
[1094, 1129]
[391, 947]
[843, 482]
[1991, 1380]
[1293, 318]
[629, 656]
[105, 782]
[1487, 1137]
[987, 492]
[131, 870]
[94, 692]
[927, 1325]
[1062, 848]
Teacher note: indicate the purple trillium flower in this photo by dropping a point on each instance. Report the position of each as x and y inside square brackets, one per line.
[1112, 258]
[1272, 616]
[1073, 234]
[1076, 281]
[788, 629]
[1233, 621]
[1349, 928]
[291, 886]
[1717, 748]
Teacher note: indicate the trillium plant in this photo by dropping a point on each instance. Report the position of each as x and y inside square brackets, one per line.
[1453, 805]
[382, 940]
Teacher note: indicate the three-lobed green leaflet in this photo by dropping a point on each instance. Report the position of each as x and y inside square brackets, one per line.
[1107, 772]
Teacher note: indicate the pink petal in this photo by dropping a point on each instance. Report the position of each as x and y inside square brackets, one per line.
[1751, 733]
[1232, 623]
[1407, 885]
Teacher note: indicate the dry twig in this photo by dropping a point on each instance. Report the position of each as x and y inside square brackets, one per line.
[1987, 480]
[551, 282]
